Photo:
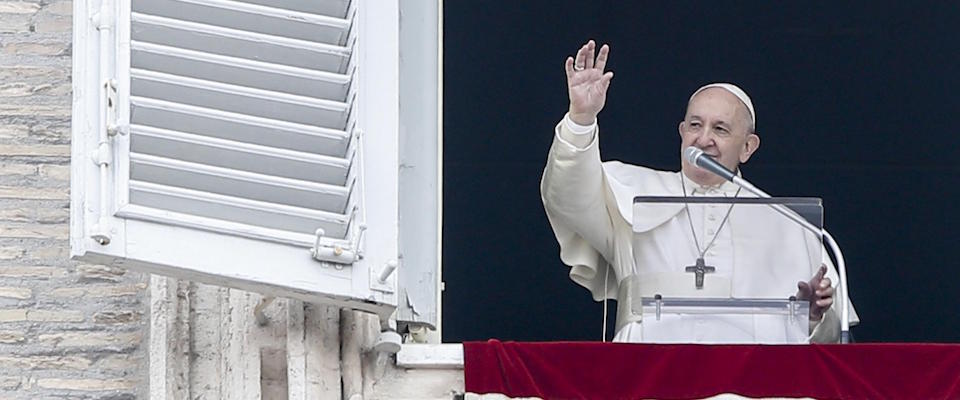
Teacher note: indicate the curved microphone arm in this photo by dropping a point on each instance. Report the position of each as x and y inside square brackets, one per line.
[696, 157]
[834, 247]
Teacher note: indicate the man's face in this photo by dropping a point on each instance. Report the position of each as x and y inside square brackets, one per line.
[719, 124]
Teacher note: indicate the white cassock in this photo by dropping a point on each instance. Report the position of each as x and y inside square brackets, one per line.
[590, 207]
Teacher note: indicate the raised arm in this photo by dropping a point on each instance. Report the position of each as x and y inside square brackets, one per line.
[573, 189]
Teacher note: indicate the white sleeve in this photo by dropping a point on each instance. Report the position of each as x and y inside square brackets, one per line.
[576, 135]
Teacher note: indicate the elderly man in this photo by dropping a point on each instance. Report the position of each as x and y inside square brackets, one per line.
[589, 205]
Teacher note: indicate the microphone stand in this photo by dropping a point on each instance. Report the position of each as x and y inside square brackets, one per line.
[834, 247]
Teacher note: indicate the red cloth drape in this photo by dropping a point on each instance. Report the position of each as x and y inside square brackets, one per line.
[590, 370]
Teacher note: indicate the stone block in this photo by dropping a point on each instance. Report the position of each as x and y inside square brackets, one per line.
[57, 132]
[11, 252]
[88, 272]
[15, 23]
[17, 169]
[32, 193]
[15, 89]
[54, 253]
[99, 291]
[18, 293]
[118, 362]
[10, 382]
[28, 272]
[54, 23]
[43, 214]
[92, 339]
[43, 362]
[54, 316]
[117, 317]
[12, 131]
[60, 8]
[12, 337]
[49, 213]
[36, 48]
[36, 150]
[30, 73]
[13, 315]
[35, 232]
[86, 384]
[57, 172]
[16, 215]
[18, 7]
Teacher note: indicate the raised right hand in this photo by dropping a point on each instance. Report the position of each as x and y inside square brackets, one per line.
[587, 87]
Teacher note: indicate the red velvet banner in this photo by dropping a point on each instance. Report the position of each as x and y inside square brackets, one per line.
[590, 370]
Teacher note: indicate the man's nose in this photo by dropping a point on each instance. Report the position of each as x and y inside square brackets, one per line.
[704, 139]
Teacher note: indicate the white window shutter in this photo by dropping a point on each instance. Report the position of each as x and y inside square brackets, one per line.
[248, 144]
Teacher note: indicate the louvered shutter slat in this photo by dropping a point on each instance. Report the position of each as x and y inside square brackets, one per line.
[240, 127]
[239, 99]
[236, 209]
[240, 71]
[244, 157]
[334, 8]
[239, 119]
[252, 18]
[237, 183]
[238, 43]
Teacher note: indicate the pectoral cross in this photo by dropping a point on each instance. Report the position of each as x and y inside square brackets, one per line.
[699, 270]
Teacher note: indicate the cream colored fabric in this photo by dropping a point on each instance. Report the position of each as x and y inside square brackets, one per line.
[590, 205]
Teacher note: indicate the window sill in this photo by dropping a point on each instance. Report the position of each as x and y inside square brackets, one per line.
[430, 356]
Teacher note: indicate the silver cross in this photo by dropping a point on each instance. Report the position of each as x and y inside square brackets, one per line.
[699, 270]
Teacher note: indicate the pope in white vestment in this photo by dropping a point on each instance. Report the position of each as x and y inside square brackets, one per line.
[590, 207]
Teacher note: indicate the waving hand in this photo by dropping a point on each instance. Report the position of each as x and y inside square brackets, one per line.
[587, 82]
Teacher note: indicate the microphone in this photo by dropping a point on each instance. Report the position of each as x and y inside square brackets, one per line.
[696, 157]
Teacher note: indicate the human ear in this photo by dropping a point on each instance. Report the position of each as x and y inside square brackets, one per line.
[750, 146]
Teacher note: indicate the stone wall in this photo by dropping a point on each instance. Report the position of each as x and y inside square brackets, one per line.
[67, 329]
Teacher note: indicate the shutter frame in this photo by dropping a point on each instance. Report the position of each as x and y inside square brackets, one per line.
[421, 155]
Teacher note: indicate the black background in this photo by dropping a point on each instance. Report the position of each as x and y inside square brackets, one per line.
[856, 103]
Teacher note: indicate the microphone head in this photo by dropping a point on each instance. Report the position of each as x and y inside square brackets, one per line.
[691, 154]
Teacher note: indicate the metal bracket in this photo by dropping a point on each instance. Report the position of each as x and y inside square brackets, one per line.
[658, 300]
[258, 313]
[102, 156]
[112, 122]
[384, 279]
[792, 307]
[103, 18]
[99, 235]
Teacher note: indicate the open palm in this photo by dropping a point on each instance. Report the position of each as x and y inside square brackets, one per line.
[587, 83]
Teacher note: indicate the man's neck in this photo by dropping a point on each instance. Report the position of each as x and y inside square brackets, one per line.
[705, 183]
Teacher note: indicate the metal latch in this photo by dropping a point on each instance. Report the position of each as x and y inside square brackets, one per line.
[337, 251]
